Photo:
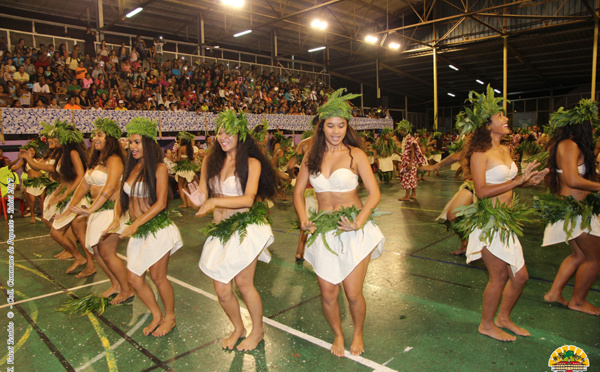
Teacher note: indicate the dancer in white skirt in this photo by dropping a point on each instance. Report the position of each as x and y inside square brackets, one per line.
[31, 177]
[233, 175]
[154, 237]
[494, 176]
[573, 179]
[102, 180]
[185, 166]
[333, 165]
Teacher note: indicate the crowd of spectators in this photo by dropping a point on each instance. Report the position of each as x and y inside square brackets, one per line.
[137, 78]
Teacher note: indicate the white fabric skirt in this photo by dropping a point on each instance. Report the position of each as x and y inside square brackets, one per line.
[142, 253]
[436, 157]
[351, 247]
[69, 217]
[512, 253]
[371, 159]
[555, 232]
[386, 164]
[223, 262]
[188, 175]
[49, 211]
[35, 191]
[96, 224]
[396, 157]
[310, 201]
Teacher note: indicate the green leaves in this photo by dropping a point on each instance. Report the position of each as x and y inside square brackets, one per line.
[337, 106]
[109, 127]
[186, 136]
[224, 230]
[158, 222]
[90, 304]
[142, 126]
[233, 123]
[485, 105]
[186, 165]
[385, 145]
[404, 125]
[586, 110]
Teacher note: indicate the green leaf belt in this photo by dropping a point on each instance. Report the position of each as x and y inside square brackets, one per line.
[185, 165]
[492, 218]
[41, 181]
[108, 205]
[555, 208]
[158, 222]
[238, 222]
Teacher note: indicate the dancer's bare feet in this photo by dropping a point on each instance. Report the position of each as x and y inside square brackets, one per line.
[78, 262]
[584, 307]
[60, 253]
[165, 326]
[122, 297]
[183, 206]
[406, 198]
[230, 341]
[413, 196]
[88, 271]
[156, 320]
[508, 324]
[32, 220]
[460, 251]
[358, 345]
[252, 341]
[64, 255]
[553, 298]
[337, 348]
[115, 289]
[497, 333]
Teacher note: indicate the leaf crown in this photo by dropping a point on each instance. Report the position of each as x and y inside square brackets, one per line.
[233, 123]
[404, 125]
[68, 133]
[186, 136]
[485, 105]
[586, 110]
[143, 127]
[109, 127]
[337, 106]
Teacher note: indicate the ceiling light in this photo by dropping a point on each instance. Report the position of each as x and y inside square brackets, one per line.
[394, 45]
[216, 47]
[451, 95]
[134, 12]
[371, 39]
[316, 49]
[497, 91]
[453, 67]
[480, 82]
[242, 33]
[317, 23]
[234, 3]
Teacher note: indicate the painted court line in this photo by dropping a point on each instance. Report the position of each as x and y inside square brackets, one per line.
[292, 331]
[31, 237]
[55, 293]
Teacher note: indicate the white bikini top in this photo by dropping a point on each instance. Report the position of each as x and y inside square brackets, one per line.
[230, 187]
[501, 173]
[139, 191]
[96, 178]
[341, 180]
[580, 168]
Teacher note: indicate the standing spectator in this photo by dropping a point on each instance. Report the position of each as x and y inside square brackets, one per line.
[3, 46]
[103, 51]
[20, 47]
[72, 63]
[90, 39]
[122, 52]
[158, 44]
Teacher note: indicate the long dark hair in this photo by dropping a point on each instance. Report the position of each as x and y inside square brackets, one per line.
[152, 158]
[111, 147]
[189, 148]
[67, 170]
[479, 141]
[315, 158]
[580, 134]
[245, 149]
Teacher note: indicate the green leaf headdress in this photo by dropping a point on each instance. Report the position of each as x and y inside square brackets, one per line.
[404, 125]
[280, 138]
[307, 134]
[233, 123]
[337, 106]
[586, 110]
[33, 144]
[437, 134]
[485, 105]
[109, 127]
[422, 132]
[260, 135]
[68, 133]
[143, 127]
[186, 136]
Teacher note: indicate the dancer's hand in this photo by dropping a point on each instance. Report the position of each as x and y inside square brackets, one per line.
[536, 179]
[345, 224]
[529, 172]
[308, 226]
[196, 197]
[207, 207]
[81, 211]
[128, 231]
[409, 167]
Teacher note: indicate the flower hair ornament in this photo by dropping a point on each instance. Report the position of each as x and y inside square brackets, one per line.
[186, 136]
[404, 125]
[233, 123]
[337, 106]
[586, 110]
[485, 105]
[109, 127]
[68, 133]
[143, 127]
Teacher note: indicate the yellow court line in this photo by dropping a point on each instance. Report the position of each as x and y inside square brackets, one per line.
[108, 352]
[423, 209]
[23, 339]
[32, 237]
[29, 269]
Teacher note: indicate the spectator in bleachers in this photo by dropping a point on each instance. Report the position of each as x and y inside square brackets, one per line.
[72, 105]
[73, 88]
[21, 76]
[25, 96]
[53, 104]
[41, 90]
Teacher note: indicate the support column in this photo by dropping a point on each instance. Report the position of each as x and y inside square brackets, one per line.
[505, 74]
[100, 20]
[377, 77]
[594, 60]
[200, 22]
[405, 107]
[435, 91]
[362, 94]
[274, 51]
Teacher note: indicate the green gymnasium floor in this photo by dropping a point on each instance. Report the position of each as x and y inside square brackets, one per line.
[423, 305]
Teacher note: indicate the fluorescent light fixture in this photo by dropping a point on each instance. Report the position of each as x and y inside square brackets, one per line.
[371, 39]
[480, 82]
[242, 33]
[497, 91]
[453, 67]
[216, 47]
[394, 45]
[316, 49]
[317, 23]
[451, 95]
[234, 3]
[134, 12]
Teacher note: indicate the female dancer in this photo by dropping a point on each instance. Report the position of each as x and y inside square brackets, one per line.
[102, 180]
[495, 176]
[344, 258]
[573, 177]
[233, 175]
[32, 191]
[154, 237]
[411, 158]
[185, 169]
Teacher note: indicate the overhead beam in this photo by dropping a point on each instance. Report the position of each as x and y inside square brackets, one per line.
[530, 66]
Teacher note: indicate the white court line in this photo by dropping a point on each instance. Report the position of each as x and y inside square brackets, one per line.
[31, 237]
[54, 293]
[294, 332]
